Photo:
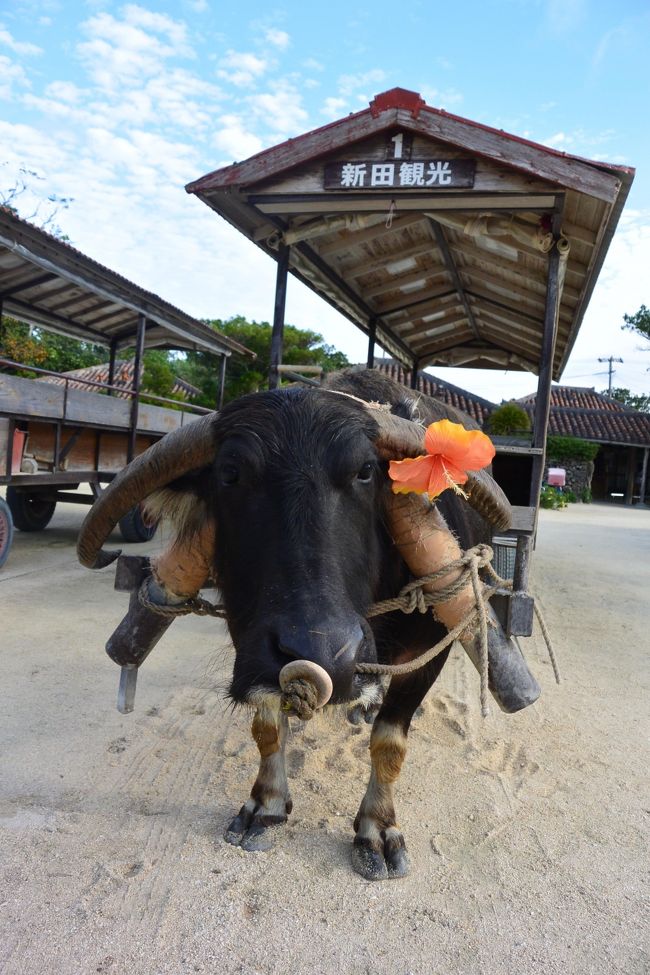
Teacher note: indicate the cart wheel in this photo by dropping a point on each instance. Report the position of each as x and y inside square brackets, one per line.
[31, 510]
[135, 528]
[6, 531]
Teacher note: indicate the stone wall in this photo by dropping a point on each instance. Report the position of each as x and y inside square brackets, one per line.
[578, 473]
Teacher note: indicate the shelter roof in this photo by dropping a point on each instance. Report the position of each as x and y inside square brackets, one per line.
[46, 282]
[432, 229]
[580, 412]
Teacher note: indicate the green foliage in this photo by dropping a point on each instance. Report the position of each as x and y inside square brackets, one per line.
[47, 350]
[301, 347]
[586, 496]
[640, 402]
[549, 497]
[509, 419]
[569, 496]
[639, 322]
[570, 448]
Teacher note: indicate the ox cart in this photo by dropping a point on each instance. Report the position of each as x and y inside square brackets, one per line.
[57, 431]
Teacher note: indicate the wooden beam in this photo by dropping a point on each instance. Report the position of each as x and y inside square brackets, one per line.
[419, 298]
[277, 335]
[450, 264]
[27, 284]
[357, 270]
[372, 334]
[284, 204]
[137, 381]
[355, 237]
[397, 282]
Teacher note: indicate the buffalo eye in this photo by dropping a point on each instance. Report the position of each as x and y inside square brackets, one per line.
[228, 474]
[365, 472]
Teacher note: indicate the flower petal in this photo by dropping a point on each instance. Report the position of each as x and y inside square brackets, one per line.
[411, 474]
[468, 450]
[443, 475]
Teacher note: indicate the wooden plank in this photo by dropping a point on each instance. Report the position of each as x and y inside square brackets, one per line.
[352, 238]
[462, 200]
[27, 397]
[398, 281]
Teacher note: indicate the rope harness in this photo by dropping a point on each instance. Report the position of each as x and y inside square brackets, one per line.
[299, 695]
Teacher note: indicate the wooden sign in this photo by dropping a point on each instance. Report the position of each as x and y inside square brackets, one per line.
[400, 174]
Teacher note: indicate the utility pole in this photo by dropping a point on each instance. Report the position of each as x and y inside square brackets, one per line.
[610, 360]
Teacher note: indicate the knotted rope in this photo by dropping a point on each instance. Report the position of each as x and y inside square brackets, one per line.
[299, 696]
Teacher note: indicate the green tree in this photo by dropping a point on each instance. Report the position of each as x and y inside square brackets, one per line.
[301, 347]
[640, 402]
[639, 323]
[46, 350]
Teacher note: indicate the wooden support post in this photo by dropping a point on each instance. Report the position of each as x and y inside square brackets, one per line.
[414, 374]
[222, 382]
[111, 366]
[543, 398]
[631, 471]
[278, 314]
[644, 476]
[372, 334]
[135, 401]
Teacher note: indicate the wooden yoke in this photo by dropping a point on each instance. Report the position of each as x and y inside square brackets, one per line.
[426, 544]
[185, 566]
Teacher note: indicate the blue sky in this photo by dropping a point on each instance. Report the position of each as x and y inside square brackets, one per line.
[119, 105]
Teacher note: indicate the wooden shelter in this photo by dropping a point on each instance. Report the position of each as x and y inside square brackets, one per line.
[445, 241]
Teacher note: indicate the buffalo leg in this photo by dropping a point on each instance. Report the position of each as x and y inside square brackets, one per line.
[379, 851]
[269, 804]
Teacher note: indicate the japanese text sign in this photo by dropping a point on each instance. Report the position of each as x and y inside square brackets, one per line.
[400, 174]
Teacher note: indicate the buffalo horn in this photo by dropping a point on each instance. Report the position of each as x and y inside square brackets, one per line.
[185, 449]
[399, 438]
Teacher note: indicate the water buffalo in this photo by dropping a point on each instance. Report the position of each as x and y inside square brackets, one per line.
[294, 482]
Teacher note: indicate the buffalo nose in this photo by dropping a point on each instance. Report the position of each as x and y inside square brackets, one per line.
[329, 646]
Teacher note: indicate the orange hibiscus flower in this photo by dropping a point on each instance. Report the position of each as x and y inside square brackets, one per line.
[451, 452]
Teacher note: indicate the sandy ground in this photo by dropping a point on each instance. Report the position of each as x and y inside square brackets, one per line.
[527, 833]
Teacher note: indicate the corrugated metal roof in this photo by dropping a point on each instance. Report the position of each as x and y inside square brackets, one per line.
[46, 282]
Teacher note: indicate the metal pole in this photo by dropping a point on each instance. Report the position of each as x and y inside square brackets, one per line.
[137, 368]
[278, 314]
[372, 334]
[414, 374]
[543, 398]
[222, 381]
[111, 366]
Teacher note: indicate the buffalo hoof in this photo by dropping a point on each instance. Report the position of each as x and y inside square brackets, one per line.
[253, 829]
[382, 859]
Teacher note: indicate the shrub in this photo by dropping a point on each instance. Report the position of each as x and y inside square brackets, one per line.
[570, 448]
[549, 497]
[509, 419]
[586, 496]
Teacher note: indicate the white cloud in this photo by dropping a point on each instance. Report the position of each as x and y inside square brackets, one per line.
[279, 110]
[65, 91]
[564, 16]
[123, 52]
[350, 84]
[333, 108]
[199, 6]
[278, 38]
[441, 98]
[241, 68]
[234, 140]
[12, 76]
[23, 48]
